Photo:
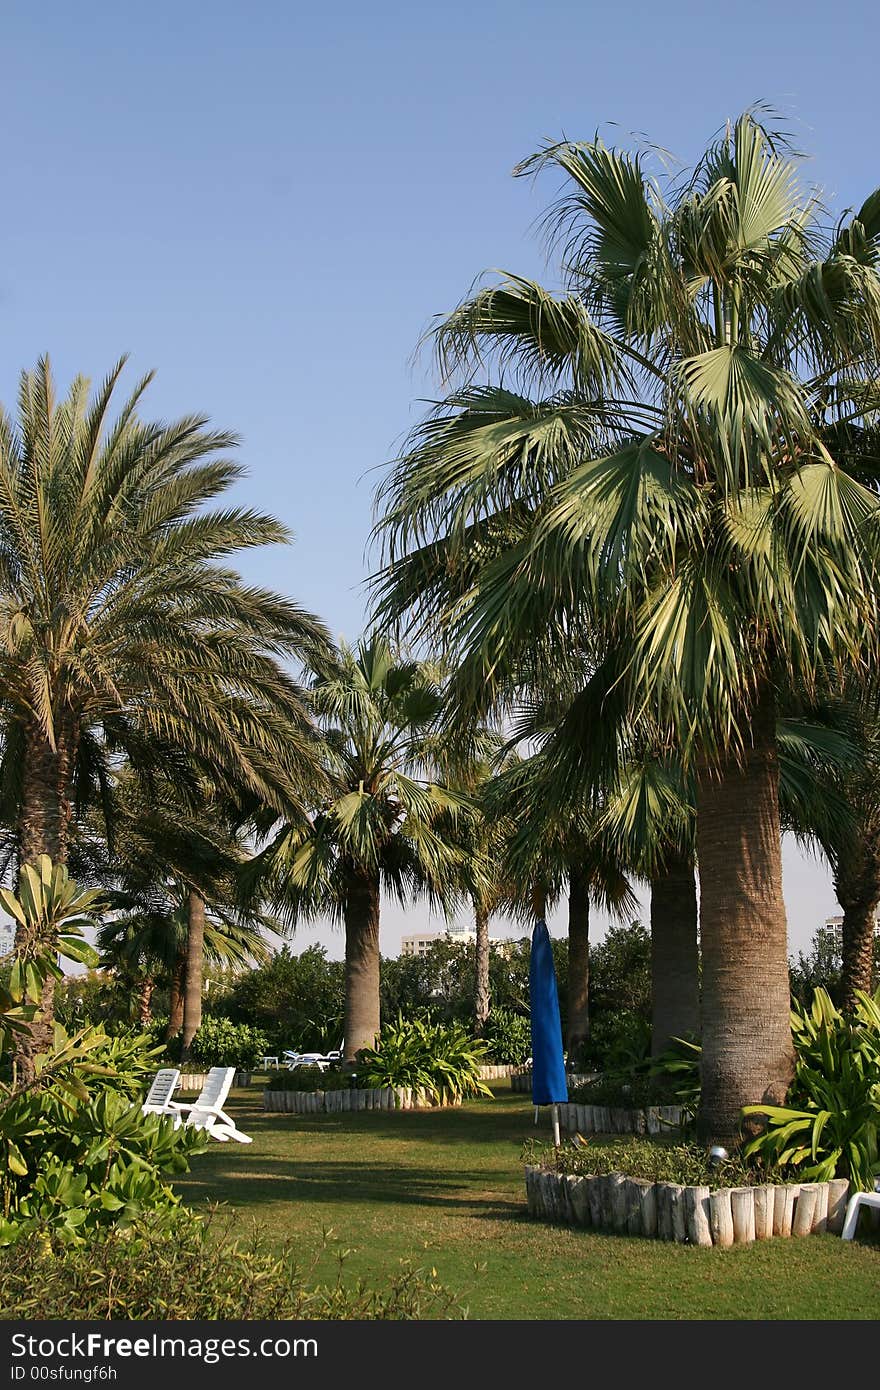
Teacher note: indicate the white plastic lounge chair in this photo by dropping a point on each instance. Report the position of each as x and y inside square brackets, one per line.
[158, 1100]
[206, 1111]
[859, 1199]
[292, 1060]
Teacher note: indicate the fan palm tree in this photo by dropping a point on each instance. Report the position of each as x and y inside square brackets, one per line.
[554, 843]
[387, 824]
[685, 476]
[839, 810]
[142, 947]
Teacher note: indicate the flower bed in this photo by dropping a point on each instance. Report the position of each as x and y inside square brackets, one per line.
[689, 1215]
[333, 1102]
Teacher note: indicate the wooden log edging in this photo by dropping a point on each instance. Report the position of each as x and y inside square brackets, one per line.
[195, 1080]
[687, 1215]
[335, 1102]
[613, 1119]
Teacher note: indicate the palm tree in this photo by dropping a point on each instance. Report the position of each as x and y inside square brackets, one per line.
[387, 825]
[684, 480]
[556, 842]
[839, 809]
[175, 862]
[123, 630]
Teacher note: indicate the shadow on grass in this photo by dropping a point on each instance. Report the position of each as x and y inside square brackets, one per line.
[350, 1183]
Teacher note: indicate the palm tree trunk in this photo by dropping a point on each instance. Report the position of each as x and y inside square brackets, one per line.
[578, 960]
[747, 1049]
[175, 997]
[47, 775]
[857, 886]
[539, 902]
[675, 962]
[43, 824]
[481, 988]
[361, 962]
[145, 1002]
[195, 964]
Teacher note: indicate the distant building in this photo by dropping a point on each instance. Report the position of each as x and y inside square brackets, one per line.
[7, 937]
[837, 922]
[420, 942]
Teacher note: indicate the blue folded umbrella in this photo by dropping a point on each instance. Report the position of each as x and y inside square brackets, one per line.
[549, 1086]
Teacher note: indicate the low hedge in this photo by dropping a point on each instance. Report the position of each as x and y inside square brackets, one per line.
[654, 1159]
[145, 1273]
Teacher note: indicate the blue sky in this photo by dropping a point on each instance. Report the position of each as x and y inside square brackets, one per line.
[267, 204]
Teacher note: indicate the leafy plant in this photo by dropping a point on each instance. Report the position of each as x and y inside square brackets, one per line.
[146, 1272]
[508, 1037]
[678, 1071]
[218, 1042]
[440, 1059]
[75, 1159]
[830, 1126]
[50, 911]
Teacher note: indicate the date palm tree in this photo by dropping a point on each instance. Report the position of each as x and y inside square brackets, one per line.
[387, 824]
[672, 461]
[123, 628]
[119, 618]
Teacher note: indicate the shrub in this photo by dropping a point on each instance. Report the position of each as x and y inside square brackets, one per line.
[618, 1041]
[218, 1042]
[141, 1273]
[297, 1001]
[830, 1125]
[77, 1154]
[439, 1059]
[508, 1037]
[657, 1160]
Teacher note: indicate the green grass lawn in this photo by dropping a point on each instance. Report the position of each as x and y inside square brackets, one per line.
[445, 1189]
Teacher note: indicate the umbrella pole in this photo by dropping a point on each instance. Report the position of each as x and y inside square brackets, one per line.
[554, 1113]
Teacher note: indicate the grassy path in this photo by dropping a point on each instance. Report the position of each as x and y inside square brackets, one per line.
[445, 1189]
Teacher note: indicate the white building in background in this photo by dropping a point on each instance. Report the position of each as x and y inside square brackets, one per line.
[837, 922]
[420, 942]
[7, 937]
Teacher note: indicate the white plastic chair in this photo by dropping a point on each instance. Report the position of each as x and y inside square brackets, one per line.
[207, 1113]
[859, 1199]
[292, 1060]
[158, 1099]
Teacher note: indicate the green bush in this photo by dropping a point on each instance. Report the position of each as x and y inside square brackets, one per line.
[296, 1001]
[442, 1060]
[193, 1272]
[218, 1042]
[618, 1041]
[77, 1154]
[658, 1160]
[829, 1127]
[508, 1037]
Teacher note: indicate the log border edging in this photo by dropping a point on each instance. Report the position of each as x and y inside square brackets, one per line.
[338, 1101]
[727, 1216]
